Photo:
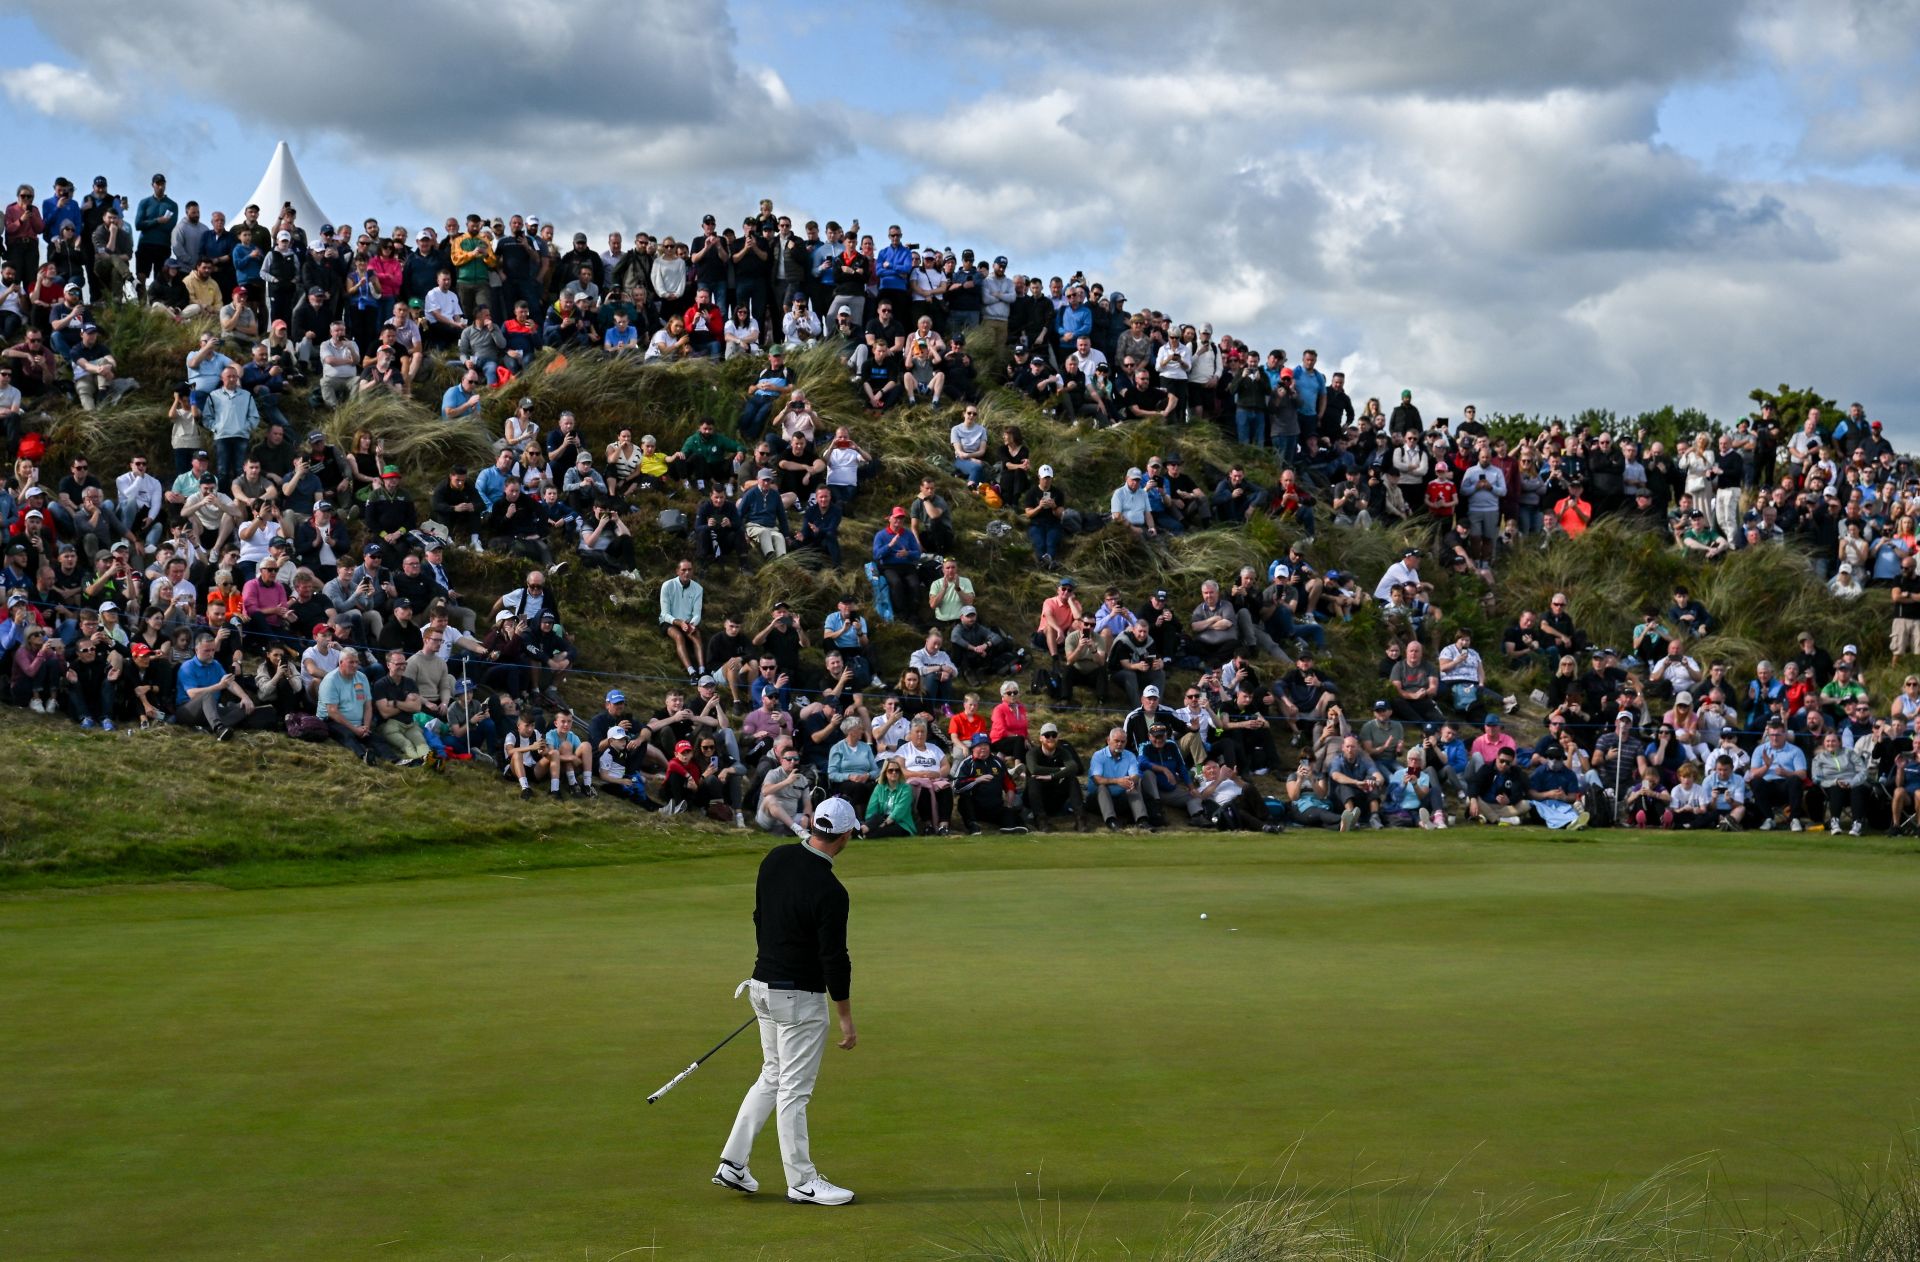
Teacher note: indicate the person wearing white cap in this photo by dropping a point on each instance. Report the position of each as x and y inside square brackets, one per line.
[800, 922]
[1844, 586]
[1131, 505]
[1044, 507]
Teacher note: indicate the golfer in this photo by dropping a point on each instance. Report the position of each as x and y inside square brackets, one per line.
[800, 922]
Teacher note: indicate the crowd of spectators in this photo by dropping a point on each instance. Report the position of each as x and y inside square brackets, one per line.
[278, 579]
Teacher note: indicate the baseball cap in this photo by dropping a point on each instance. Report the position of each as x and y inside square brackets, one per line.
[965, 610]
[707, 681]
[1151, 690]
[981, 738]
[403, 602]
[207, 479]
[766, 475]
[1492, 720]
[1067, 582]
[89, 328]
[683, 747]
[1161, 594]
[503, 616]
[1046, 471]
[834, 818]
[390, 471]
[108, 604]
[1381, 705]
[140, 650]
[1049, 729]
[1851, 648]
[1683, 698]
[373, 548]
[34, 514]
[1135, 472]
[616, 733]
[898, 511]
[316, 436]
[18, 598]
[319, 628]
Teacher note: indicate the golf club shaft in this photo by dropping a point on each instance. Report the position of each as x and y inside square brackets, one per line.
[676, 1079]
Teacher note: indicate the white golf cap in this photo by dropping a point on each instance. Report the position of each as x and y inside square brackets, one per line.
[1046, 471]
[834, 818]
[1151, 690]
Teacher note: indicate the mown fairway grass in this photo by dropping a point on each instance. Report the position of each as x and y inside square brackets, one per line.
[455, 1067]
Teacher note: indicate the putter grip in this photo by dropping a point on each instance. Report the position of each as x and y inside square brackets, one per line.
[673, 1082]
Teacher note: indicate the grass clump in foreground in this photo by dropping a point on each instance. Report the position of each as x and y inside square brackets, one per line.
[1673, 1215]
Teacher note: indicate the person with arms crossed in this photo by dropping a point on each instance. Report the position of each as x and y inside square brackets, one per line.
[800, 925]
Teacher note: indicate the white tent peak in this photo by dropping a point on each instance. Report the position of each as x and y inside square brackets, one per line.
[282, 183]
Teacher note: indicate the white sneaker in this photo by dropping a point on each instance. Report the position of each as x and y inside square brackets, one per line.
[1348, 818]
[1374, 822]
[1426, 818]
[1797, 826]
[1766, 825]
[36, 706]
[473, 542]
[1855, 830]
[1439, 819]
[739, 1178]
[817, 1191]
[800, 830]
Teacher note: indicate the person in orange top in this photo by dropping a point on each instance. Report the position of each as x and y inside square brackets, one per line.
[1574, 513]
[1058, 614]
[224, 594]
[967, 724]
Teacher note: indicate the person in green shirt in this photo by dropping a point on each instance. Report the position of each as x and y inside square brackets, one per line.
[891, 804]
[1843, 687]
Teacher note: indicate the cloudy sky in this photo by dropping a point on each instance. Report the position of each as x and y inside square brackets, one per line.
[1532, 207]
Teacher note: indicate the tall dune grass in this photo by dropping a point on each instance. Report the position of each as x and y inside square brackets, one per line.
[1673, 1215]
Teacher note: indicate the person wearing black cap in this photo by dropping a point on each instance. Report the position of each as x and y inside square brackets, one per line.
[800, 924]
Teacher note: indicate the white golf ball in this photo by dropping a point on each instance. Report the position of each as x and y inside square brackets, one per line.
[1203, 915]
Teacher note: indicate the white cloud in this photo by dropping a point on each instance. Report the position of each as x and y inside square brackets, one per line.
[62, 92]
[1537, 253]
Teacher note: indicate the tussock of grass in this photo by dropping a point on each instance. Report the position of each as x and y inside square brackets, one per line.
[417, 437]
[1670, 1216]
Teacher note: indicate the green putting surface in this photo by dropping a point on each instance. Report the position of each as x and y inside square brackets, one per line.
[457, 1068]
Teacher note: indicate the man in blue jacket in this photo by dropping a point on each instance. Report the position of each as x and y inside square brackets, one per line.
[763, 512]
[896, 551]
[892, 266]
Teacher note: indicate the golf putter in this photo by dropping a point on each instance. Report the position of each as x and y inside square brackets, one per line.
[679, 1077]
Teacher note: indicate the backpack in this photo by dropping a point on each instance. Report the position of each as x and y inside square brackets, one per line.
[307, 727]
[672, 521]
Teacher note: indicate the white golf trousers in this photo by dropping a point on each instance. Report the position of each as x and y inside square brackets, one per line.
[793, 1037]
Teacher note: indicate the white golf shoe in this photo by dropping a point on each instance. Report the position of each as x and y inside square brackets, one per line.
[739, 1178]
[817, 1191]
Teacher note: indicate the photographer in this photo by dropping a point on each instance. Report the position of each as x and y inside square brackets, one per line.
[277, 681]
[1133, 663]
[605, 542]
[782, 639]
[91, 675]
